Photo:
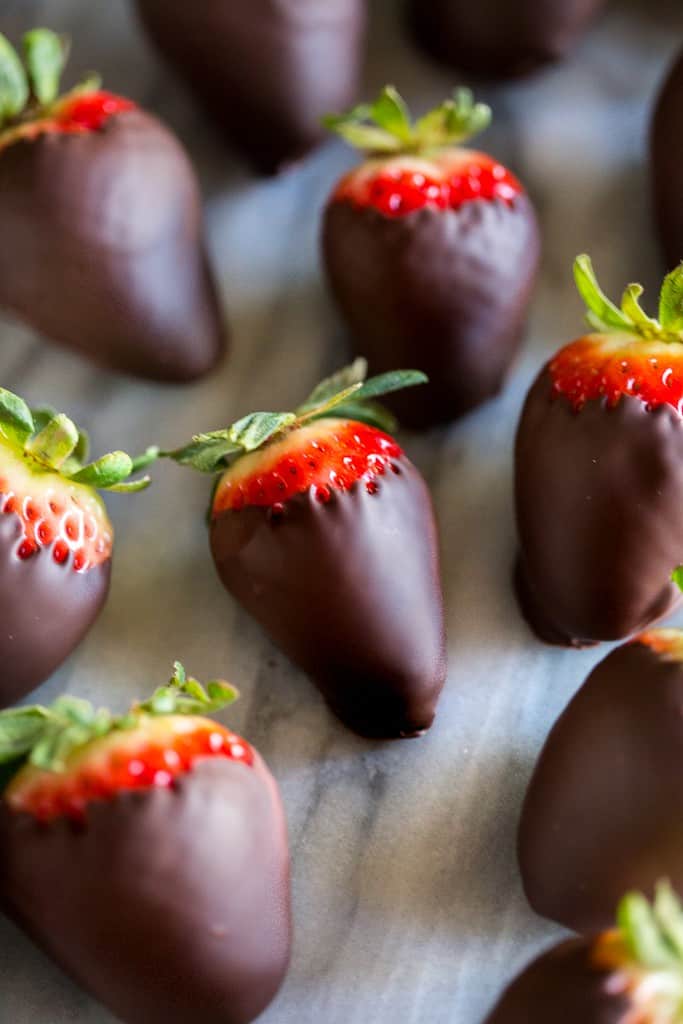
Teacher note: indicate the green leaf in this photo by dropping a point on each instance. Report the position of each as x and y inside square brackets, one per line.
[42, 414]
[130, 486]
[16, 421]
[372, 413]
[633, 311]
[105, 472]
[187, 696]
[339, 381]
[385, 383]
[179, 676]
[642, 935]
[602, 313]
[456, 120]
[331, 403]
[677, 576]
[671, 301]
[20, 730]
[254, 430]
[669, 915]
[390, 112]
[368, 138]
[55, 442]
[205, 452]
[14, 90]
[45, 55]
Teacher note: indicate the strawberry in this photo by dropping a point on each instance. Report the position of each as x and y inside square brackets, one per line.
[55, 539]
[604, 806]
[599, 471]
[324, 530]
[312, 53]
[631, 974]
[431, 252]
[147, 854]
[101, 223]
[500, 40]
[666, 158]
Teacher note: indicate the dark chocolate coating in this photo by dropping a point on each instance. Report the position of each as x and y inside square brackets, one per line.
[598, 499]
[563, 986]
[500, 39]
[350, 590]
[45, 611]
[667, 165]
[604, 810]
[170, 905]
[103, 251]
[267, 70]
[444, 291]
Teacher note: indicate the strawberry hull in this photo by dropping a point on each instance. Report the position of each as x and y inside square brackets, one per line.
[603, 813]
[350, 590]
[667, 160]
[168, 905]
[563, 986]
[500, 40]
[312, 53]
[445, 291]
[103, 249]
[598, 497]
[46, 608]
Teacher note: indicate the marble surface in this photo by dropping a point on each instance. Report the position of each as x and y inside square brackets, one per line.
[406, 894]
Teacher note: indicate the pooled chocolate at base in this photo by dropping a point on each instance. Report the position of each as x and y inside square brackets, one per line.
[666, 143]
[167, 905]
[350, 590]
[46, 609]
[443, 291]
[267, 70]
[563, 986]
[500, 40]
[598, 495]
[103, 249]
[603, 814]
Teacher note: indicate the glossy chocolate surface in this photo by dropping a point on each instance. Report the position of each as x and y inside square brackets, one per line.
[667, 164]
[350, 590]
[500, 40]
[442, 291]
[45, 611]
[103, 249]
[604, 810]
[169, 905]
[267, 70]
[598, 498]
[561, 987]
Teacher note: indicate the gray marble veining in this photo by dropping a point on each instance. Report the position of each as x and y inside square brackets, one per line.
[407, 898]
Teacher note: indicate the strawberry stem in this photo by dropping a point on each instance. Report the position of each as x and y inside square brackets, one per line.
[385, 126]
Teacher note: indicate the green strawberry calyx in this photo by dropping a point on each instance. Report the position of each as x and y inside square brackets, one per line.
[347, 394]
[385, 127]
[51, 442]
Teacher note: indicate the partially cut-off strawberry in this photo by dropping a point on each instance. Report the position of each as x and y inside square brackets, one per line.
[147, 854]
[431, 251]
[599, 471]
[324, 530]
[55, 539]
[632, 974]
[100, 214]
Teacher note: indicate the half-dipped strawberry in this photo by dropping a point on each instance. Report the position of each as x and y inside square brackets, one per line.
[632, 974]
[101, 224]
[147, 854]
[55, 540]
[266, 70]
[324, 530]
[599, 472]
[431, 252]
[604, 808]
[500, 40]
[666, 143]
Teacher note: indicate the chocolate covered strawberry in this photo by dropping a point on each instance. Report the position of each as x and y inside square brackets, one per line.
[266, 70]
[666, 145]
[501, 40]
[604, 808]
[632, 974]
[55, 539]
[431, 252]
[599, 471]
[324, 530]
[101, 223]
[147, 854]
